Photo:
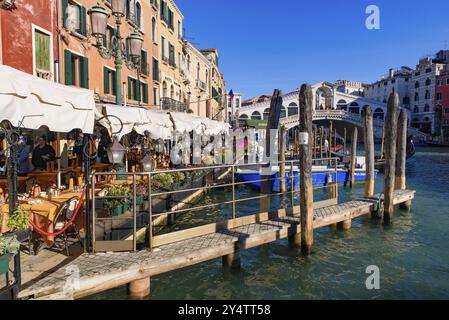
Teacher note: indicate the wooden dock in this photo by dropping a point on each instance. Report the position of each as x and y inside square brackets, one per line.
[101, 272]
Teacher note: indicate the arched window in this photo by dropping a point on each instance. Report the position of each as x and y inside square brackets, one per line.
[188, 62]
[164, 89]
[138, 15]
[416, 84]
[427, 95]
[153, 29]
[426, 119]
[283, 112]
[243, 116]
[266, 113]
[172, 92]
[406, 100]
[428, 82]
[354, 108]
[427, 108]
[198, 68]
[256, 115]
[207, 76]
[292, 109]
[379, 114]
[416, 110]
[446, 111]
[342, 105]
[416, 96]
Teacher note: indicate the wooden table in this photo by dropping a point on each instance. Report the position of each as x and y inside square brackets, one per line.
[46, 179]
[20, 181]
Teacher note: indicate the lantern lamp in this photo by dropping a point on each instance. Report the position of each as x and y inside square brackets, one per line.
[147, 163]
[135, 42]
[118, 7]
[116, 152]
[98, 20]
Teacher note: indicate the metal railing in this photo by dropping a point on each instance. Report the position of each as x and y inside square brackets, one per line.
[128, 221]
[173, 105]
[201, 84]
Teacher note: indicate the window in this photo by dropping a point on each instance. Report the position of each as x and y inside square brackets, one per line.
[144, 92]
[179, 30]
[428, 70]
[171, 58]
[109, 81]
[164, 58]
[107, 40]
[155, 70]
[137, 90]
[153, 29]
[292, 109]
[416, 96]
[138, 16]
[131, 11]
[76, 70]
[440, 82]
[427, 95]
[416, 110]
[43, 63]
[74, 17]
[446, 111]
[406, 100]
[416, 84]
[447, 81]
[427, 108]
[143, 63]
[155, 98]
[439, 96]
[428, 82]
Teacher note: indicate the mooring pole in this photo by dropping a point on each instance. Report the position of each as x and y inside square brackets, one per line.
[344, 141]
[305, 158]
[139, 289]
[353, 157]
[391, 128]
[369, 151]
[282, 137]
[402, 155]
[382, 145]
[267, 174]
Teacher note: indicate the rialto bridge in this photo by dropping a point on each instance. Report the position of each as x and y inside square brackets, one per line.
[329, 105]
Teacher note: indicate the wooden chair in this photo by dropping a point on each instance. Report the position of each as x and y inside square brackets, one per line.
[63, 216]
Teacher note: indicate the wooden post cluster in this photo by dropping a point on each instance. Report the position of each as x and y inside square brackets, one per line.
[305, 157]
[368, 136]
[391, 128]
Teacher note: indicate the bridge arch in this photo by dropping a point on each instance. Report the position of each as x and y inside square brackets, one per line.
[256, 115]
[324, 98]
[293, 109]
[283, 112]
[379, 114]
[354, 108]
[342, 105]
[243, 117]
[266, 113]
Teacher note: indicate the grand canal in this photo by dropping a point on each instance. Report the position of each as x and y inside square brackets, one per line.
[411, 254]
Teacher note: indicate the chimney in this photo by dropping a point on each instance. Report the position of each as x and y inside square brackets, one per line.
[391, 73]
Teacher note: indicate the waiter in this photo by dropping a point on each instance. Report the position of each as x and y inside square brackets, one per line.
[42, 153]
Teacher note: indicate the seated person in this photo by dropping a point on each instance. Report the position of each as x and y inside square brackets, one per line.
[42, 153]
[24, 157]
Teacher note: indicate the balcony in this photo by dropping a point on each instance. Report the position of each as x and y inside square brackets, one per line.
[185, 75]
[165, 60]
[202, 85]
[170, 104]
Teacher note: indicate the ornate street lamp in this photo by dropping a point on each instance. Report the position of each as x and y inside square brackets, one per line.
[99, 17]
[147, 163]
[116, 152]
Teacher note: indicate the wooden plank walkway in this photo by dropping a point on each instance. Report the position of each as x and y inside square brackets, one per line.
[101, 272]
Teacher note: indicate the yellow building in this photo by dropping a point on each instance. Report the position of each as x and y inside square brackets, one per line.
[170, 24]
[195, 71]
[217, 86]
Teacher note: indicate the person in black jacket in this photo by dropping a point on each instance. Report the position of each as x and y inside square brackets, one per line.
[42, 153]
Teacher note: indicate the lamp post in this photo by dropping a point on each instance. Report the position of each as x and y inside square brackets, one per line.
[99, 17]
[12, 136]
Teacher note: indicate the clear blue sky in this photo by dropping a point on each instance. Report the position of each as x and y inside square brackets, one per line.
[265, 45]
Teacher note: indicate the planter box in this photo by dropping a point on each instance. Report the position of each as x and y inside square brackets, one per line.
[4, 263]
[139, 200]
[114, 212]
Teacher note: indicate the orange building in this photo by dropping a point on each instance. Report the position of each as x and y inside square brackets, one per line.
[85, 67]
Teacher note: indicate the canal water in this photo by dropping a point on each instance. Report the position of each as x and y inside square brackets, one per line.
[412, 254]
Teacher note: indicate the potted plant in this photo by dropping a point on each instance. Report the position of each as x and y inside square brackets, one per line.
[141, 191]
[19, 223]
[118, 201]
[9, 246]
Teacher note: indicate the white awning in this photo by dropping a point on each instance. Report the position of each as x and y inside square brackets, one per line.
[214, 127]
[185, 122]
[38, 102]
[157, 123]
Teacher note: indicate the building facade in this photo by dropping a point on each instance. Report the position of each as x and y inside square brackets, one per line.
[29, 37]
[216, 87]
[442, 104]
[396, 81]
[235, 105]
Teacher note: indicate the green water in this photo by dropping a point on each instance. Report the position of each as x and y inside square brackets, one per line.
[412, 254]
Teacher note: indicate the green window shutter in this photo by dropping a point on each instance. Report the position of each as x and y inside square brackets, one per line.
[83, 20]
[144, 63]
[137, 90]
[114, 83]
[145, 93]
[64, 15]
[68, 67]
[129, 88]
[84, 72]
[106, 80]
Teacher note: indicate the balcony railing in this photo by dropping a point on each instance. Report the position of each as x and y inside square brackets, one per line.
[173, 105]
[202, 85]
